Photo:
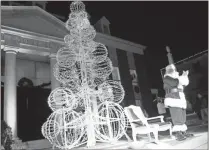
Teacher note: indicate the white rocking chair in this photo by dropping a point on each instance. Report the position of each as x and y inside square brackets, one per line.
[140, 124]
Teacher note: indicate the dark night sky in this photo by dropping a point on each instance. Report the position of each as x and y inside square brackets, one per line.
[183, 26]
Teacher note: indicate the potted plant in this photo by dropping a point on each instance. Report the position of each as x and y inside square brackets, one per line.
[6, 136]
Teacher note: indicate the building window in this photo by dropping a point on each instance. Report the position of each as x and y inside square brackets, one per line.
[97, 28]
[39, 5]
[2, 66]
[111, 75]
[108, 55]
[2, 70]
[116, 74]
[15, 4]
[20, 3]
[4, 3]
[106, 30]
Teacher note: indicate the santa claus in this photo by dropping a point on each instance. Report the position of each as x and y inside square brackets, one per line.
[175, 100]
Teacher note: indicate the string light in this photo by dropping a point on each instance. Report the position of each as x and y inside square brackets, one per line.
[184, 60]
[83, 68]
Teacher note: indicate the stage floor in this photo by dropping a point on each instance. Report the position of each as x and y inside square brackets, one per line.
[199, 141]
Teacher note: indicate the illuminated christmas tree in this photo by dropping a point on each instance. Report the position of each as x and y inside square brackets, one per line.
[86, 108]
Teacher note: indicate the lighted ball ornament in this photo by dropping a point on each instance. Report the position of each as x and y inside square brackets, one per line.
[86, 108]
[114, 127]
[61, 125]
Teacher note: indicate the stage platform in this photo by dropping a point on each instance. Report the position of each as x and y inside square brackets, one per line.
[199, 141]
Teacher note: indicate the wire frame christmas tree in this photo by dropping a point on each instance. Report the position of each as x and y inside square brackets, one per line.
[86, 108]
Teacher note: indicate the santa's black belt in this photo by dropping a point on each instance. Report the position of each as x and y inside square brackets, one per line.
[173, 90]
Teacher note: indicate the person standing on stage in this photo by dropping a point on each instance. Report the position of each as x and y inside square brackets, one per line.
[175, 100]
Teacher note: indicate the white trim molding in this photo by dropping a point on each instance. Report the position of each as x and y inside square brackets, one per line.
[120, 43]
[9, 49]
[50, 43]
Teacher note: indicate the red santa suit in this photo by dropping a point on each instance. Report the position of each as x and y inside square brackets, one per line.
[175, 98]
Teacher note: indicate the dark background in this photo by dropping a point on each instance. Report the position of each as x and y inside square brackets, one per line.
[182, 25]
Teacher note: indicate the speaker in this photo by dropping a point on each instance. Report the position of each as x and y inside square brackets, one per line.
[133, 76]
[136, 90]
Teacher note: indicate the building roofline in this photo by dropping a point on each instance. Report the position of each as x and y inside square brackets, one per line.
[122, 40]
[61, 24]
[38, 9]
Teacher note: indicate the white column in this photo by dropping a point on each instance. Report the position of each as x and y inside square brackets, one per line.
[2, 46]
[10, 90]
[54, 82]
[169, 55]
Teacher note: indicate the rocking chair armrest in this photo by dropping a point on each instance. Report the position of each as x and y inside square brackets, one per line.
[158, 117]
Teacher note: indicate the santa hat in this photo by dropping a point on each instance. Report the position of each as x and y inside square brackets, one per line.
[170, 68]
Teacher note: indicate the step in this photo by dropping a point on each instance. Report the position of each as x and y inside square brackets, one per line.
[39, 144]
[116, 145]
[194, 142]
[18, 144]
